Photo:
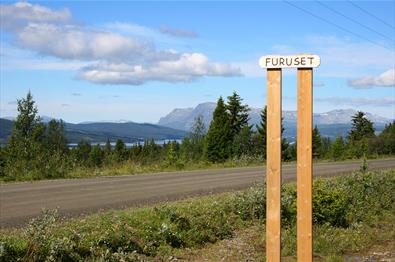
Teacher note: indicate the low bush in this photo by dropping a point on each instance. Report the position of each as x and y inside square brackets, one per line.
[343, 207]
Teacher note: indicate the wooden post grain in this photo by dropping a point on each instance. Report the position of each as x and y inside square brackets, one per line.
[273, 166]
[304, 165]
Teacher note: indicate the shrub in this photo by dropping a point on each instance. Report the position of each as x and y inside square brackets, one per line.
[340, 206]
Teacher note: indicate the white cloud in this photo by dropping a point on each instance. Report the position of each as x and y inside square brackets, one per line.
[21, 13]
[112, 57]
[72, 42]
[187, 68]
[358, 101]
[386, 79]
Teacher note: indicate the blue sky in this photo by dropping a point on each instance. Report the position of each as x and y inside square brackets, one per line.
[109, 60]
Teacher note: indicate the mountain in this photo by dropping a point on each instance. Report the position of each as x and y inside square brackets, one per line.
[183, 118]
[5, 129]
[100, 132]
[331, 124]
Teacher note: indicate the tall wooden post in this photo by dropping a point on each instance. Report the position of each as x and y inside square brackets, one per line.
[273, 166]
[304, 165]
[304, 63]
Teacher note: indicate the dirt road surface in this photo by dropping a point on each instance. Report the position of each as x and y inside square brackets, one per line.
[74, 197]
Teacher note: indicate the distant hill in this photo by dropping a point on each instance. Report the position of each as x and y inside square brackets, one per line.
[5, 129]
[100, 132]
[331, 124]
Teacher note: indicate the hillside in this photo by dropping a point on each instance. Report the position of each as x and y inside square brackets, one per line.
[99, 132]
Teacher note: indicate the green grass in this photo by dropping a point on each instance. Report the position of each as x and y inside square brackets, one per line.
[351, 215]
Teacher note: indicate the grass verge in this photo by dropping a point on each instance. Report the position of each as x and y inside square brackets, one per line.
[351, 214]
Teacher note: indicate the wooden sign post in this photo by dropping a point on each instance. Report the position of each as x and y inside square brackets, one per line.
[274, 65]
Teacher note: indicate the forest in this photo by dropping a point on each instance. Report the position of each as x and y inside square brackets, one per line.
[37, 150]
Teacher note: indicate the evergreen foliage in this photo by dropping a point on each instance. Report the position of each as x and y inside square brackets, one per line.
[120, 150]
[237, 112]
[361, 127]
[96, 156]
[197, 135]
[386, 140]
[219, 135]
[338, 149]
[261, 133]
[317, 143]
[37, 150]
[242, 142]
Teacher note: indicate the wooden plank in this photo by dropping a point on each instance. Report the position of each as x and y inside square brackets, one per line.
[294, 61]
[304, 165]
[273, 166]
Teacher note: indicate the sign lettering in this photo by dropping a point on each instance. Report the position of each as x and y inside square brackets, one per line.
[296, 61]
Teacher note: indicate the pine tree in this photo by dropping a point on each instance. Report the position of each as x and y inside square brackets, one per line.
[261, 133]
[338, 149]
[361, 128]
[96, 156]
[316, 141]
[25, 148]
[238, 113]
[261, 136]
[82, 151]
[171, 155]
[242, 142]
[107, 148]
[325, 146]
[120, 150]
[386, 140]
[197, 134]
[55, 135]
[186, 152]
[219, 135]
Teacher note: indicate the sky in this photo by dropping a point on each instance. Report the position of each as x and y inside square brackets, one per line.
[137, 61]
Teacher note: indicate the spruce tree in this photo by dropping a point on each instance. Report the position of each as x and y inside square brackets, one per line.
[338, 149]
[120, 150]
[186, 151]
[361, 127]
[82, 151]
[55, 135]
[197, 133]
[171, 154]
[96, 156]
[325, 146]
[107, 148]
[242, 142]
[316, 141]
[262, 137]
[261, 133]
[386, 140]
[219, 136]
[238, 113]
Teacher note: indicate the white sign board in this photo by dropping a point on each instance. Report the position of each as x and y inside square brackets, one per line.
[294, 61]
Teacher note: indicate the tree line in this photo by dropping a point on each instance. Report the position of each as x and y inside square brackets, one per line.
[36, 150]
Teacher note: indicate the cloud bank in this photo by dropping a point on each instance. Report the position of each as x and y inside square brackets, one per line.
[386, 79]
[116, 58]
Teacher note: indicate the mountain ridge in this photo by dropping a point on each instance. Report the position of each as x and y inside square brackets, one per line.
[182, 119]
[331, 124]
[101, 131]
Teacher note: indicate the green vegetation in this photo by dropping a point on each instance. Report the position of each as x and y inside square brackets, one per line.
[39, 151]
[351, 214]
